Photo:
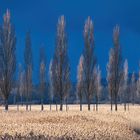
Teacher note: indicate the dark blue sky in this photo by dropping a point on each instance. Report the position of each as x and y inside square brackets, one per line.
[40, 16]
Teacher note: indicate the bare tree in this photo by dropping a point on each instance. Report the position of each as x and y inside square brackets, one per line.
[97, 86]
[52, 86]
[18, 79]
[89, 60]
[51, 89]
[133, 88]
[42, 75]
[110, 77]
[80, 80]
[60, 64]
[7, 57]
[20, 85]
[114, 68]
[138, 89]
[125, 83]
[28, 69]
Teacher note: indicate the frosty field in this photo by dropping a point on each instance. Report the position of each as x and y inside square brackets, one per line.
[72, 124]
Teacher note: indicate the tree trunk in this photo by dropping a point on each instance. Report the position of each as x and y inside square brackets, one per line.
[88, 104]
[111, 103]
[26, 103]
[6, 105]
[80, 104]
[56, 107]
[116, 108]
[66, 105]
[17, 107]
[42, 107]
[128, 105]
[30, 107]
[50, 106]
[125, 106]
[96, 106]
[26, 106]
[61, 105]
[133, 99]
[96, 103]
[30, 102]
[21, 100]
[14, 100]
[93, 106]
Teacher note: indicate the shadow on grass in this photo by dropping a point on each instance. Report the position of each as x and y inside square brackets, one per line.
[135, 125]
[32, 136]
[137, 130]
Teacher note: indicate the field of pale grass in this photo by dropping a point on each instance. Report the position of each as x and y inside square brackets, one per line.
[72, 124]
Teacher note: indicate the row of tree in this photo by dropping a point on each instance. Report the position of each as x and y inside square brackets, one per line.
[88, 72]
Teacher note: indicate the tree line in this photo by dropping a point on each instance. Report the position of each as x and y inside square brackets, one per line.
[89, 85]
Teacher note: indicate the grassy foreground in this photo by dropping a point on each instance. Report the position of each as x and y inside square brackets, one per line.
[72, 124]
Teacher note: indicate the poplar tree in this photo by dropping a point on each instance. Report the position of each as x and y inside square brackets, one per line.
[133, 88]
[89, 60]
[42, 75]
[7, 57]
[138, 89]
[97, 86]
[80, 80]
[114, 68]
[60, 65]
[125, 84]
[28, 69]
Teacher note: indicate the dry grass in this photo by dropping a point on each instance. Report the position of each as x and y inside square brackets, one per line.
[73, 124]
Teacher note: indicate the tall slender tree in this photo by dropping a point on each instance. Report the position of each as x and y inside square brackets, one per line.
[97, 86]
[51, 89]
[110, 76]
[60, 64]
[20, 84]
[52, 86]
[7, 57]
[42, 75]
[80, 86]
[28, 68]
[89, 60]
[138, 89]
[133, 88]
[125, 83]
[115, 68]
